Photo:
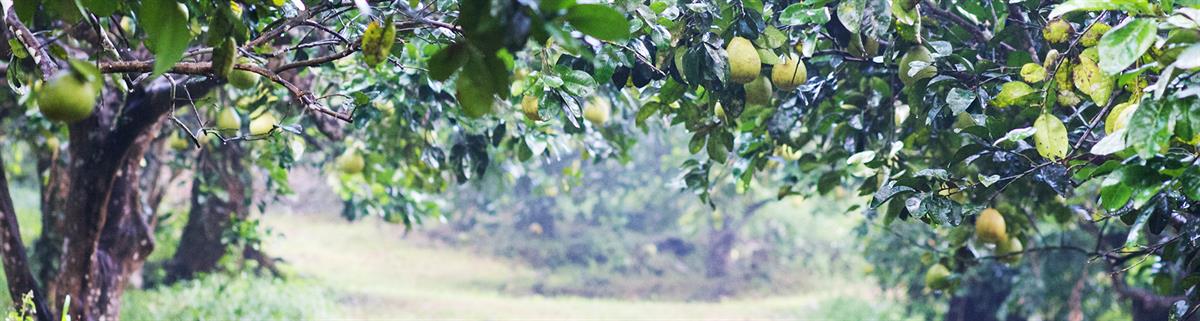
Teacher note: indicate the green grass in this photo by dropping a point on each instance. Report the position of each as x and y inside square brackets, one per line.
[230, 297]
[379, 275]
[27, 204]
[369, 270]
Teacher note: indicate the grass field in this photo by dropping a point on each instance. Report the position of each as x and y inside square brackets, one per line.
[371, 270]
[376, 273]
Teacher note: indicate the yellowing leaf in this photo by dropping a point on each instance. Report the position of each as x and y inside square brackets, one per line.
[1012, 93]
[1051, 137]
[1091, 81]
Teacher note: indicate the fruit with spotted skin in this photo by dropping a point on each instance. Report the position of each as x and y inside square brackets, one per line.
[1092, 36]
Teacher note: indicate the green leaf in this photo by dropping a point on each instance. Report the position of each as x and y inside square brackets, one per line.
[1135, 230]
[577, 82]
[801, 14]
[67, 10]
[696, 143]
[1011, 93]
[1123, 45]
[167, 35]
[1148, 132]
[941, 210]
[959, 100]
[476, 88]
[1130, 6]
[446, 61]
[17, 48]
[523, 151]
[876, 19]
[1190, 180]
[716, 150]
[1113, 192]
[1189, 58]
[101, 7]
[849, 12]
[600, 21]
[1016, 135]
[1112, 143]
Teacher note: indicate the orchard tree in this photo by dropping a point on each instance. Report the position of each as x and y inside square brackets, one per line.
[994, 124]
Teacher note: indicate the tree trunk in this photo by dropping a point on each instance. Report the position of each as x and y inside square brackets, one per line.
[723, 237]
[720, 246]
[987, 293]
[219, 193]
[16, 265]
[48, 248]
[1146, 304]
[126, 240]
[106, 235]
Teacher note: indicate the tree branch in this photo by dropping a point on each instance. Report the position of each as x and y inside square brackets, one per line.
[934, 10]
[305, 98]
[1015, 10]
[32, 45]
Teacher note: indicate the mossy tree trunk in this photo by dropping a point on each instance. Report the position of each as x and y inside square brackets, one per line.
[220, 193]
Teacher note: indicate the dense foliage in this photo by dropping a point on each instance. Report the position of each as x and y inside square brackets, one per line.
[982, 132]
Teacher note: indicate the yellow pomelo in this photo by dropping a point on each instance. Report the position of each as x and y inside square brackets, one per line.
[1057, 31]
[744, 63]
[1010, 251]
[228, 120]
[758, 92]
[351, 162]
[938, 277]
[529, 107]
[790, 74]
[263, 125]
[597, 110]
[989, 227]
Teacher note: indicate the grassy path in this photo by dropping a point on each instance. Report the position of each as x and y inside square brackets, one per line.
[382, 276]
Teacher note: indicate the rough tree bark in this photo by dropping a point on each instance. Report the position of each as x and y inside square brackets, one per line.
[201, 246]
[16, 265]
[48, 247]
[107, 237]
